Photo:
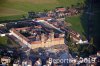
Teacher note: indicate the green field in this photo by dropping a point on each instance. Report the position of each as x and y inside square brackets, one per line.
[6, 42]
[19, 7]
[3, 41]
[76, 23]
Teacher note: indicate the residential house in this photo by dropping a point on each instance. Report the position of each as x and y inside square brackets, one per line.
[5, 60]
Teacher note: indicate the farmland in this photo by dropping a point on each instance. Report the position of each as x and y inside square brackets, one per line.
[15, 8]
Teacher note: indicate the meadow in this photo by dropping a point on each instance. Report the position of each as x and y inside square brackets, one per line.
[19, 7]
[76, 23]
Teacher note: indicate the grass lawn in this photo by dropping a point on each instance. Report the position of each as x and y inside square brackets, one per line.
[3, 41]
[19, 7]
[6, 42]
[12, 17]
[9, 12]
[70, 2]
[76, 23]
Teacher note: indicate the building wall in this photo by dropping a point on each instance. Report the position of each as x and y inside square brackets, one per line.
[7, 60]
[15, 65]
[56, 41]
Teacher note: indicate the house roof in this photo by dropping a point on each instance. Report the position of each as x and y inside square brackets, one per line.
[22, 28]
[43, 18]
[20, 34]
[5, 57]
[61, 9]
[74, 36]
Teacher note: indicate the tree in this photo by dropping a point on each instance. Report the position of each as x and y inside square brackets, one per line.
[91, 47]
[32, 15]
[45, 10]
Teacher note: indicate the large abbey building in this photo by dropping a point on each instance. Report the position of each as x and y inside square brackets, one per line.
[38, 36]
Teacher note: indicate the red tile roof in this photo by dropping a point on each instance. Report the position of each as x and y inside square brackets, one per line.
[61, 9]
[20, 34]
[22, 28]
[43, 18]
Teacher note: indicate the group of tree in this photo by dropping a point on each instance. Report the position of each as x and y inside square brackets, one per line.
[83, 50]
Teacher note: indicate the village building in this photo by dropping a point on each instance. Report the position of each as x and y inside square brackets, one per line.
[17, 63]
[98, 53]
[38, 62]
[5, 60]
[26, 62]
[60, 9]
